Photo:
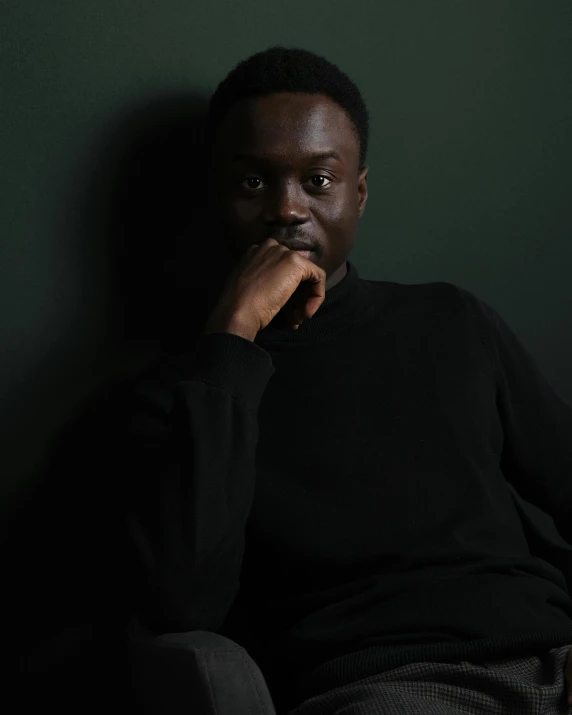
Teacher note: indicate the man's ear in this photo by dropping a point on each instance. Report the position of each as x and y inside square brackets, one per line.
[362, 189]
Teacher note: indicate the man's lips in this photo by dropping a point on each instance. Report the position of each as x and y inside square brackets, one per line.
[299, 246]
[305, 254]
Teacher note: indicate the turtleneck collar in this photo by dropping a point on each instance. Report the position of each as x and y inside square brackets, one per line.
[347, 301]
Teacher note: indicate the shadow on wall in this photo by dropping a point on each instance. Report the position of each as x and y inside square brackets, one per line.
[150, 207]
[145, 209]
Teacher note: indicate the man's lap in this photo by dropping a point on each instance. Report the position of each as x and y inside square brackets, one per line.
[523, 686]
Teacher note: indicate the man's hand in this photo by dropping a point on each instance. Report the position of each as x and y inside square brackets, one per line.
[568, 676]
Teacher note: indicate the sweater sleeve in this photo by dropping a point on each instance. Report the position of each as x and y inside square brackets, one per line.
[536, 421]
[190, 462]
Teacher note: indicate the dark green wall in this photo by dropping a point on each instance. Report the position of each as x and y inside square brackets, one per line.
[469, 182]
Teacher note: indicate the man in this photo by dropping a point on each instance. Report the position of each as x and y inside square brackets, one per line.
[335, 499]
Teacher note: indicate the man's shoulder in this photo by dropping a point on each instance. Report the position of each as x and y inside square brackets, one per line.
[425, 297]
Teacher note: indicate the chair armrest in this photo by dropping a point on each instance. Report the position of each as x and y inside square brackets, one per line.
[197, 672]
[167, 675]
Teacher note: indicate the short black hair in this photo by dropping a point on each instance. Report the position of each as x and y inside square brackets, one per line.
[282, 69]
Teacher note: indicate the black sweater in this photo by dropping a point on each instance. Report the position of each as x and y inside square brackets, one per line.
[340, 493]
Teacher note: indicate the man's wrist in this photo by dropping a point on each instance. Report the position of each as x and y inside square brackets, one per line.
[232, 326]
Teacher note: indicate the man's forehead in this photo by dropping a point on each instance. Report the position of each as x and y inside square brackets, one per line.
[286, 129]
[289, 103]
[273, 115]
[278, 156]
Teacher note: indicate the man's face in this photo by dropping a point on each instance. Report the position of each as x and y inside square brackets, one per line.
[283, 191]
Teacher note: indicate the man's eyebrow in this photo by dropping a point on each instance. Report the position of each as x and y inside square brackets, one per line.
[314, 157]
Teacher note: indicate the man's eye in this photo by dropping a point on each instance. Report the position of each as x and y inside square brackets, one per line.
[314, 176]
